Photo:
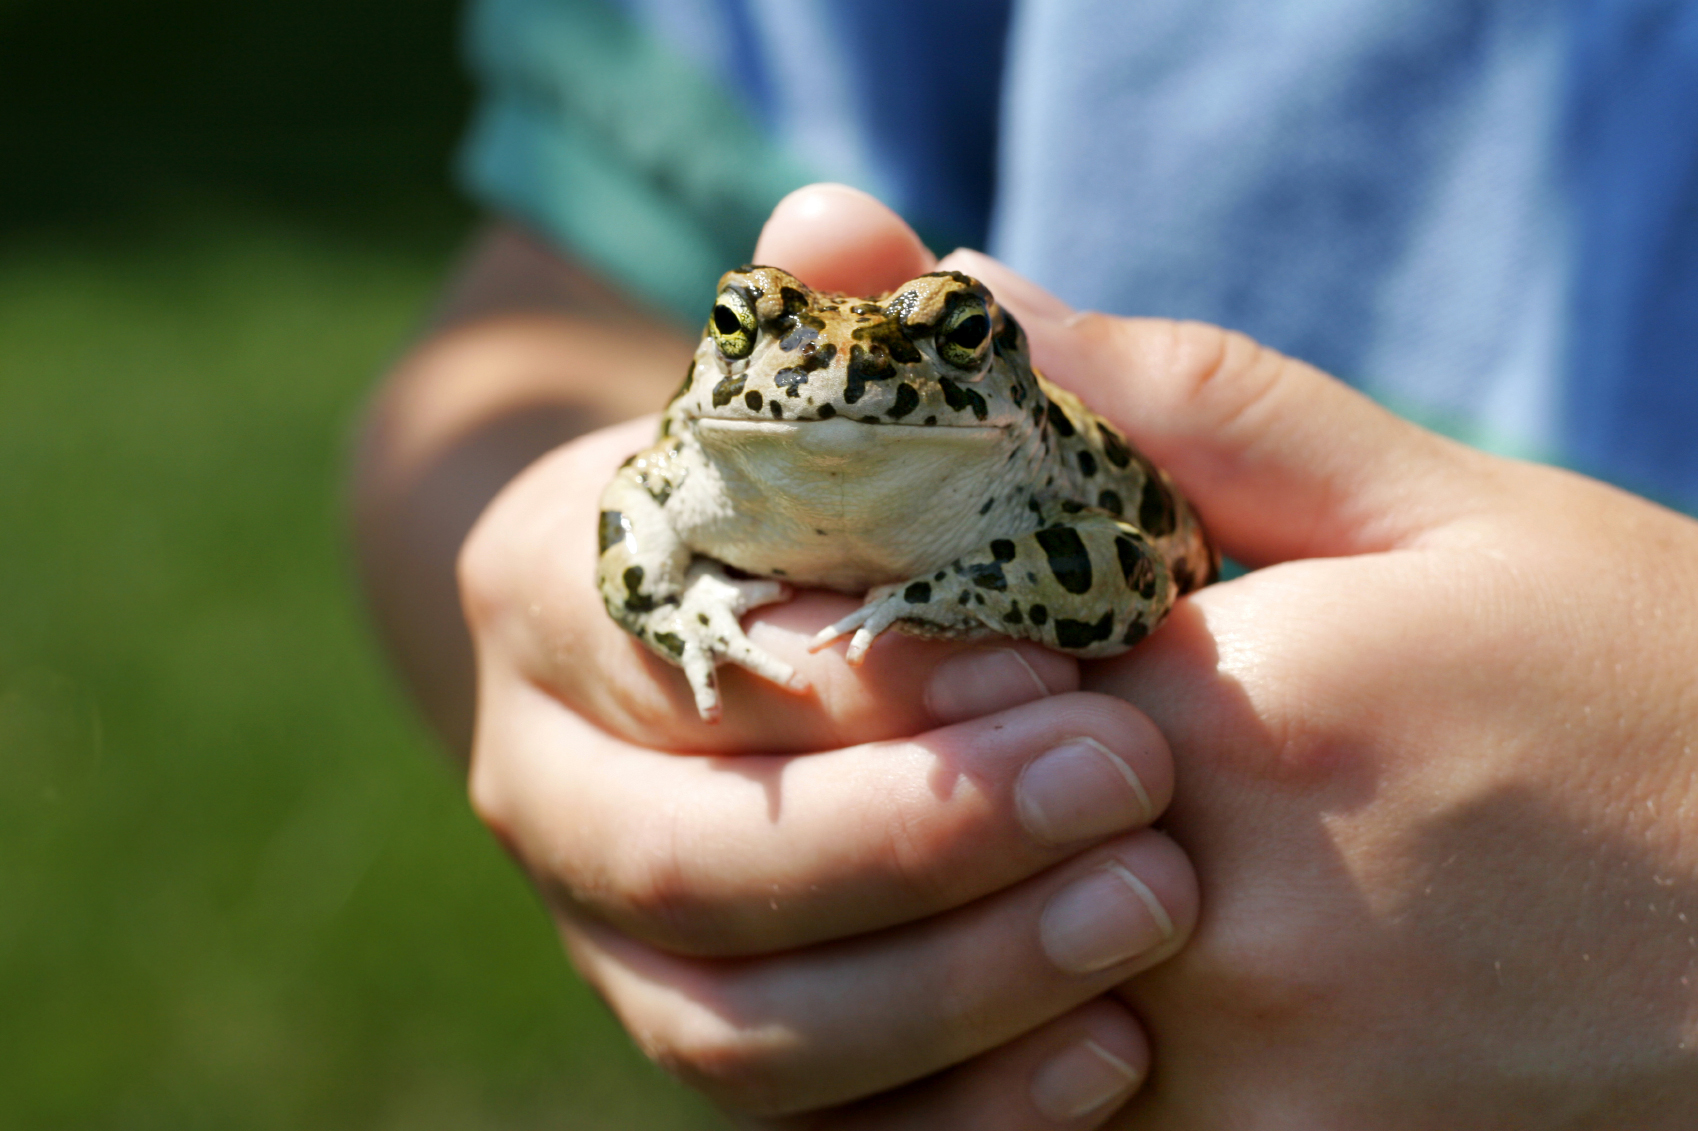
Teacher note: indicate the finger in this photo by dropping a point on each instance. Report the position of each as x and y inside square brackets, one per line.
[813, 1028]
[836, 238]
[755, 854]
[1074, 1073]
[528, 587]
[1281, 460]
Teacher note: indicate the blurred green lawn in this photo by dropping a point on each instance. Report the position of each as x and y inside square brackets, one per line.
[239, 888]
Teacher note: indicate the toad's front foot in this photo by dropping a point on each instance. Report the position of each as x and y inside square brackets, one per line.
[883, 608]
[1090, 585]
[705, 627]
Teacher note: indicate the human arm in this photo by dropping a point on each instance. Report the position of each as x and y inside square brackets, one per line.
[525, 351]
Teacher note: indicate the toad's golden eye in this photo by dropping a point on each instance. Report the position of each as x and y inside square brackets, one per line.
[733, 324]
[965, 330]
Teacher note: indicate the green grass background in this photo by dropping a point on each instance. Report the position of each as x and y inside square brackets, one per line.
[239, 887]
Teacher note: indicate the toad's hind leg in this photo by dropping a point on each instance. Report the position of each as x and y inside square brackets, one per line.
[1090, 584]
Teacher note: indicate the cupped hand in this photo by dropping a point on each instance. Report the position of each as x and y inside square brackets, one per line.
[1437, 760]
[896, 900]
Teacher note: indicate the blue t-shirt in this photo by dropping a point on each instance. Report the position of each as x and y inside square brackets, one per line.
[1483, 212]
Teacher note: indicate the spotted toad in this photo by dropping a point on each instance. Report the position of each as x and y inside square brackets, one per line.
[901, 447]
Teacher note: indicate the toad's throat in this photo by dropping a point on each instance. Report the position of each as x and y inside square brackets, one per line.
[843, 504]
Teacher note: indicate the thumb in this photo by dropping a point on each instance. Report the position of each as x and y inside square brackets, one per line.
[1281, 460]
[836, 238]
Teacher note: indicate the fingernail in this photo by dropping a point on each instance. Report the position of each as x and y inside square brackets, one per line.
[1080, 790]
[1081, 1080]
[1108, 917]
[980, 681]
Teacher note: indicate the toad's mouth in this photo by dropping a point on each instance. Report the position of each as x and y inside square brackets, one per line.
[841, 432]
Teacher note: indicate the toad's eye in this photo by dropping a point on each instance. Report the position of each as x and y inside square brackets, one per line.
[733, 325]
[965, 330]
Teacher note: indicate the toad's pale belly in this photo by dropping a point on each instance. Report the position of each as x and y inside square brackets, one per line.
[844, 504]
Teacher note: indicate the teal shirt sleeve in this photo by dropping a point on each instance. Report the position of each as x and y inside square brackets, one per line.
[624, 153]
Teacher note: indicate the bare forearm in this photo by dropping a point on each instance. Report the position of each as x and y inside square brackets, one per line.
[526, 351]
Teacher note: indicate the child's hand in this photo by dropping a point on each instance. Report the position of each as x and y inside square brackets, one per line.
[1437, 764]
[784, 911]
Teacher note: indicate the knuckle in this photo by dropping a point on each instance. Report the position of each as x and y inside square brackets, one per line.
[483, 790]
[486, 791]
[1224, 365]
[480, 571]
[740, 1069]
[651, 891]
[911, 856]
[1222, 374]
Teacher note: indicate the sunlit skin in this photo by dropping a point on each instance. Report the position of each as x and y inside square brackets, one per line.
[1430, 766]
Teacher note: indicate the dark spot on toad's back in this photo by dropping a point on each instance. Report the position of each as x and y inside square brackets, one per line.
[635, 599]
[1110, 502]
[988, 575]
[1002, 550]
[866, 364]
[1069, 560]
[1136, 566]
[793, 300]
[918, 593]
[1113, 446]
[1181, 571]
[1081, 634]
[612, 530]
[1155, 509]
[961, 399]
[907, 400]
[753, 399]
[727, 388]
[1008, 337]
[886, 337]
[798, 335]
[1060, 421]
